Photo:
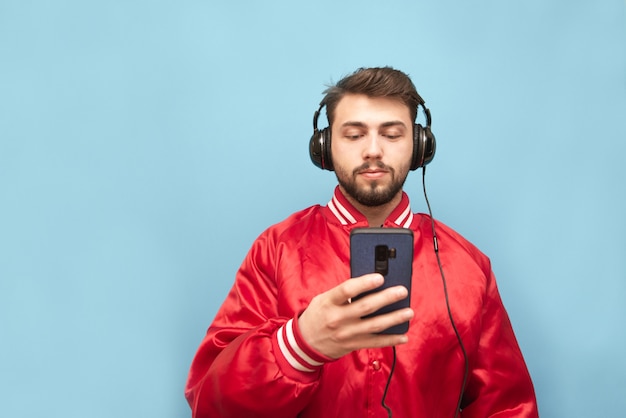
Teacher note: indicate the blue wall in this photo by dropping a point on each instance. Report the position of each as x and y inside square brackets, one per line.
[145, 144]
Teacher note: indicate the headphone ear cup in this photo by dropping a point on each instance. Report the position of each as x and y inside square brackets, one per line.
[319, 149]
[424, 146]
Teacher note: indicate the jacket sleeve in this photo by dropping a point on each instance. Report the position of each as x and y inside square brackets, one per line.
[252, 362]
[499, 384]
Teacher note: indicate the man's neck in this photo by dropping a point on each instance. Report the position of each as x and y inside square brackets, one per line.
[376, 215]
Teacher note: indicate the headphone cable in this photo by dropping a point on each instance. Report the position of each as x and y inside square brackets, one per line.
[445, 291]
[393, 366]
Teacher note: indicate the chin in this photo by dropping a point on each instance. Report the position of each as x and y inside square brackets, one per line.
[375, 196]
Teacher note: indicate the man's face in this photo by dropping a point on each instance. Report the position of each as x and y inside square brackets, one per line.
[372, 145]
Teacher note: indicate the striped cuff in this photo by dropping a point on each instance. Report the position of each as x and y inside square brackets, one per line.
[296, 351]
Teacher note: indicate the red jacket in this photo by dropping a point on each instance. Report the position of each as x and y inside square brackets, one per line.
[253, 363]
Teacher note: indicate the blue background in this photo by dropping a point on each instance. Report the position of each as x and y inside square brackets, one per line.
[145, 144]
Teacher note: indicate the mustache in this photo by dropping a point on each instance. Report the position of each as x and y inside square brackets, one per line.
[368, 166]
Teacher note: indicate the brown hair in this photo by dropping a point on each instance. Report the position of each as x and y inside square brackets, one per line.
[374, 82]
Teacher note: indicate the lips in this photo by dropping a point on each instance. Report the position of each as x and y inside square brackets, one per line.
[372, 174]
[373, 171]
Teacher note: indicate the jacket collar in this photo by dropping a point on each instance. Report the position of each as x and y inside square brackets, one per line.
[348, 215]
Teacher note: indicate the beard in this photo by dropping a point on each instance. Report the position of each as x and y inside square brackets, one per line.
[374, 193]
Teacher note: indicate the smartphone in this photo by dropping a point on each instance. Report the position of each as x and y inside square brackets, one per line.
[388, 251]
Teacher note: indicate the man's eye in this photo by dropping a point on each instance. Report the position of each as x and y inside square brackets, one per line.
[353, 135]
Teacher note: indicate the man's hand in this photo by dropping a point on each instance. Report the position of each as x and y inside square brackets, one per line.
[333, 326]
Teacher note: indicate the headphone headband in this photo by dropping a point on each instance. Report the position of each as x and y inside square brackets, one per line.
[316, 115]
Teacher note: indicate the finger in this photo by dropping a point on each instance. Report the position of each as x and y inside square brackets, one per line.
[367, 333]
[354, 287]
[379, 323]
[376, 300]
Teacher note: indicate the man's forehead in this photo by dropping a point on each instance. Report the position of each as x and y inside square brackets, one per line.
[354, 109]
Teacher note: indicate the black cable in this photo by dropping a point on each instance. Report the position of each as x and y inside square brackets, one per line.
[445, 291]
[393, 366]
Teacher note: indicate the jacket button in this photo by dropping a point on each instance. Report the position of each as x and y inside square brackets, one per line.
[375, 365]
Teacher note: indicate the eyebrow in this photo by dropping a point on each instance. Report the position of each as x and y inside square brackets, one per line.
[393, 123]
[383, 125]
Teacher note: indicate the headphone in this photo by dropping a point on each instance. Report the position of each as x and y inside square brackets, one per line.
[424, 144]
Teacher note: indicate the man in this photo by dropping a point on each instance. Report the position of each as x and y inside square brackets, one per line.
[290, 341]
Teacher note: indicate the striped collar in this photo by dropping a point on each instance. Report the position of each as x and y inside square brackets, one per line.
[348, 215]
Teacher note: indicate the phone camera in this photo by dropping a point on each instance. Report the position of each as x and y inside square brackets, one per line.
[381, 258]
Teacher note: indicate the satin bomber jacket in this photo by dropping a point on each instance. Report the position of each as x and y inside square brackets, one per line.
[253, 362]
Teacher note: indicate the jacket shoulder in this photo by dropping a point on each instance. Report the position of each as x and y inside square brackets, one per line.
[299, 220]
[447, 237]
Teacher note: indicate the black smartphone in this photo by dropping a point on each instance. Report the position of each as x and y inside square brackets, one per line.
[388, 251]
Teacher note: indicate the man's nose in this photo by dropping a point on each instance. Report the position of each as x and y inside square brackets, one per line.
[373, 148]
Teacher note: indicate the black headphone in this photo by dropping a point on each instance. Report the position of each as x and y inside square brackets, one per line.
[424, 144]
